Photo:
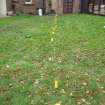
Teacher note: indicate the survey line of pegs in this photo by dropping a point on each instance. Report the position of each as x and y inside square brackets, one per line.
[52, 33]
[52, 39]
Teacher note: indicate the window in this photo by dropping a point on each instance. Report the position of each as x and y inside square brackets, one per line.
[28, 1]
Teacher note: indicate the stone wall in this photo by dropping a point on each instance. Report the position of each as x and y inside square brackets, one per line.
[9, 5]
[57, 6]
[48, 7]
[21, 7]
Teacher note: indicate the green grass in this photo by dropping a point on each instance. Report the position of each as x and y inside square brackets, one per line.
[26, 74]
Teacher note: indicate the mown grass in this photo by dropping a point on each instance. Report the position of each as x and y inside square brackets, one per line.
[78, 51]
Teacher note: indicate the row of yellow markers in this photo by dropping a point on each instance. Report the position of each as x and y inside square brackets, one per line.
[53, 32]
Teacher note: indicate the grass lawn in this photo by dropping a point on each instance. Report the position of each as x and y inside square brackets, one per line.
[30, 60]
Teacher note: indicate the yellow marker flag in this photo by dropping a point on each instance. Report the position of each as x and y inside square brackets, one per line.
[53, 32]
[56, 84]
[57, 104]
[52, 39]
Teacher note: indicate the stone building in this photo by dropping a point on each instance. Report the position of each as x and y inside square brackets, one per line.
[8, 7]
[31, 6]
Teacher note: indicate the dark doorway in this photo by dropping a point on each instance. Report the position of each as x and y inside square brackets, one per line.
[44, 7]
[67, 6]
[84, 6]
